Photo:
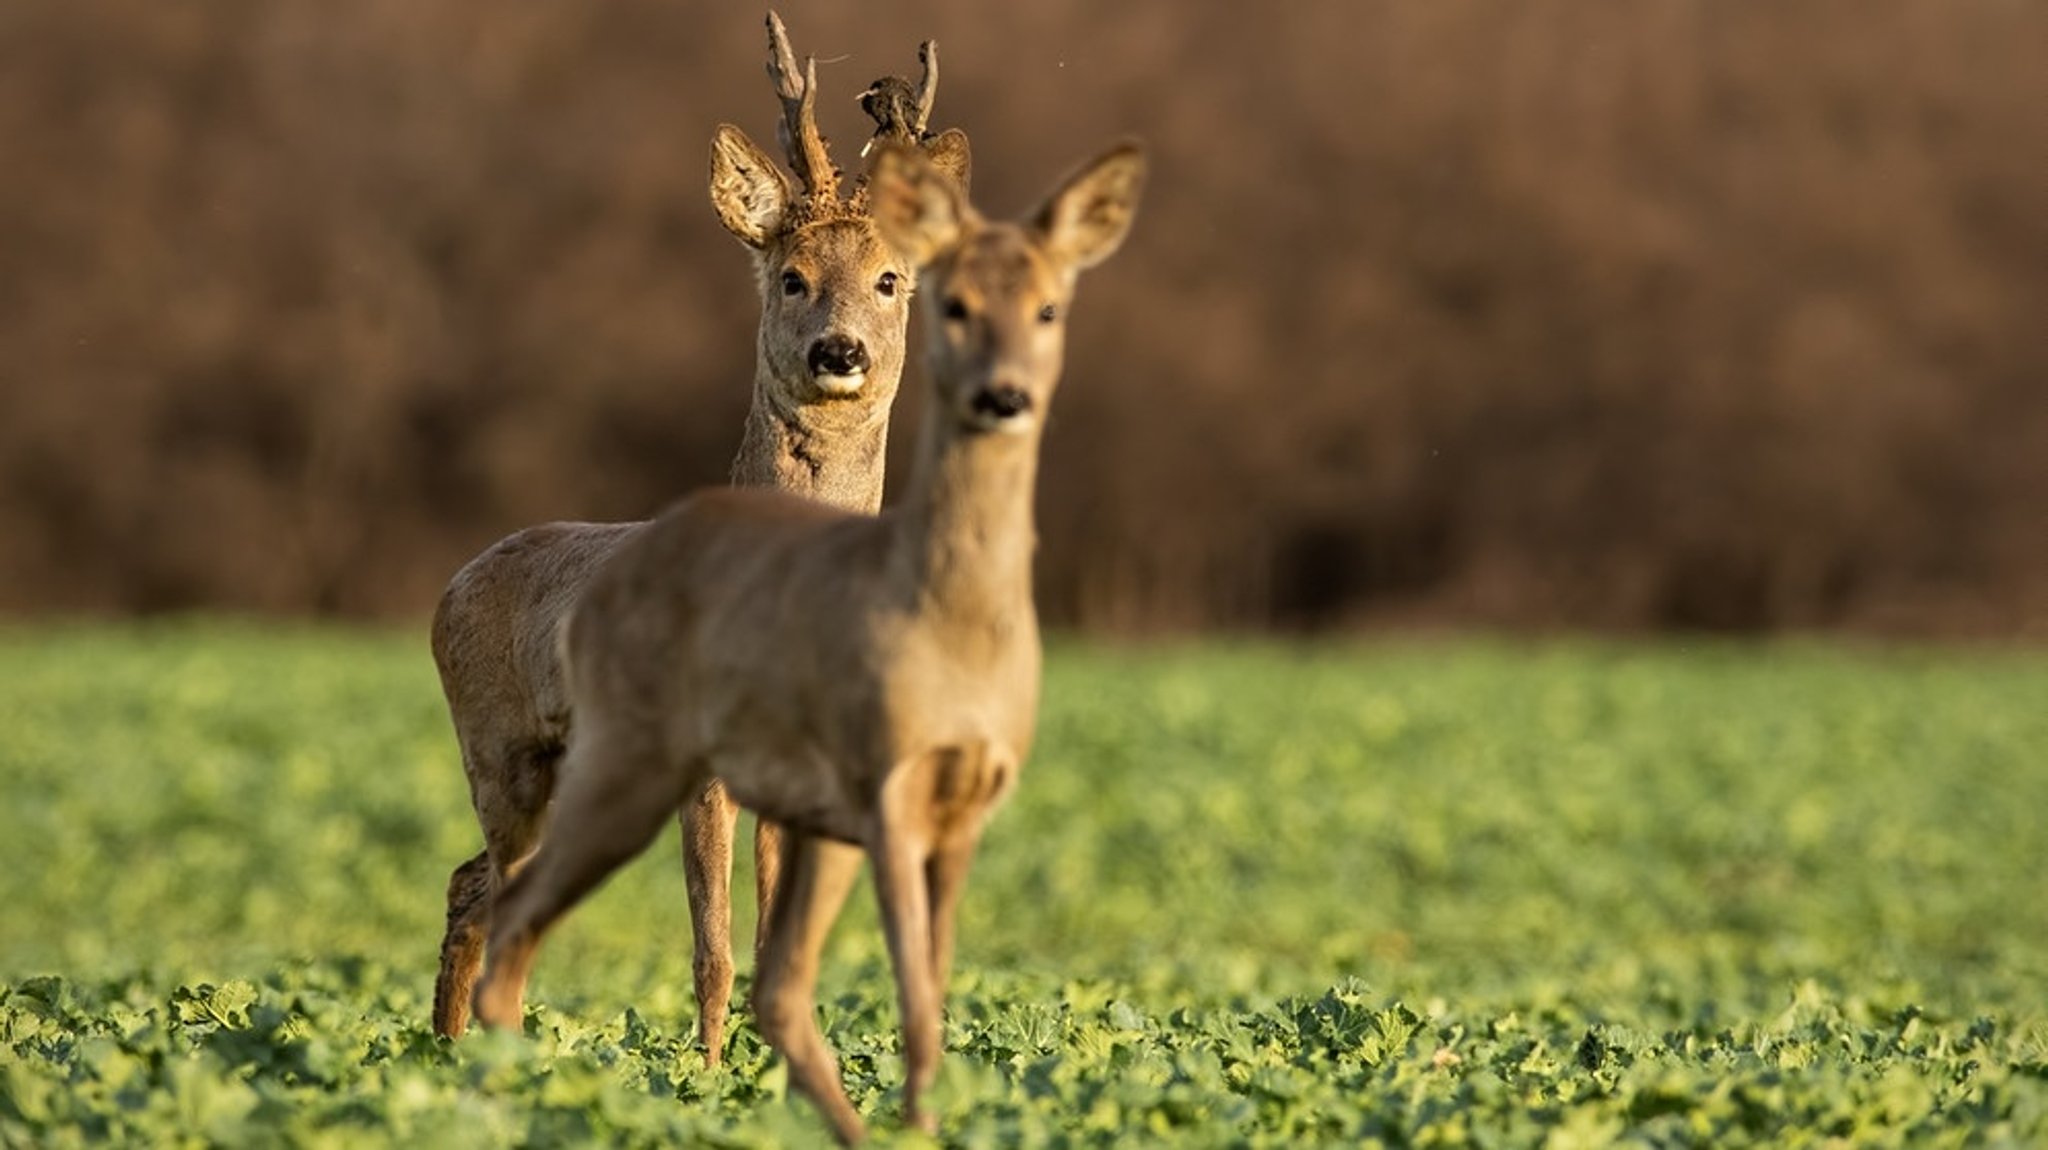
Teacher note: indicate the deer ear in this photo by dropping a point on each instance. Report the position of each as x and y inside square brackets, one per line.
[949, 153]
[1085, 221]
[749, 192]
[918, 208]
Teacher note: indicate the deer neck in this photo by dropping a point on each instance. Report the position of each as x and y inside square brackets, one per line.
[966, 533]
[832, 451]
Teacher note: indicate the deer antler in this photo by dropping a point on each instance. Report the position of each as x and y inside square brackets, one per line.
[798, 130]
[899, 111]
[928, 85]
[902, 113]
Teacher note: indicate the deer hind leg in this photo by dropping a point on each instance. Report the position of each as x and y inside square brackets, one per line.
[707, 824]
[462, 946]
[510, 790]
[614, 799]
[816, 875]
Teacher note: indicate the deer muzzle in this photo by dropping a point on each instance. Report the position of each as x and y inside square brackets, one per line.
[1000, 407]
[839, 363]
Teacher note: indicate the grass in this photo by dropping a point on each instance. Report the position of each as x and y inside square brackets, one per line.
[1468, 893]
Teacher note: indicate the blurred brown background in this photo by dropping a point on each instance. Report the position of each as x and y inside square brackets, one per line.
[1619, 314]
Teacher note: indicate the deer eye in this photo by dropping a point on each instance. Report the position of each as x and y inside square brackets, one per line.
[956, 308]
[1048, 313]
[792, 283]
[887, 284]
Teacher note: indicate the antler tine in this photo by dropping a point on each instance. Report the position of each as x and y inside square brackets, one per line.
[900, 111]
[927, 85]
[799, 127]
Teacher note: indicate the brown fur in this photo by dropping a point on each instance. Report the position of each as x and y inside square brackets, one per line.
[871, 684]
[494, 633]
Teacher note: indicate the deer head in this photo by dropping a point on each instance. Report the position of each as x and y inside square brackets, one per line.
[834, 295]
[997, 294]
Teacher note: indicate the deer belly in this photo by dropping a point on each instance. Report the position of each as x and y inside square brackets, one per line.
[800, 790]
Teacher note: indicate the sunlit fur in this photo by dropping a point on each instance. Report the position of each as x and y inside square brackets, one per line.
[870, 683]
[494, 634]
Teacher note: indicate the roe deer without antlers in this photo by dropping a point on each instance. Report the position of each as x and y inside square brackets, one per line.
[863, 681]
[830, 352]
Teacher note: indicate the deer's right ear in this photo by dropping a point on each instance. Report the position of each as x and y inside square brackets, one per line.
[918, 208]
[949, 153]
[750, 193]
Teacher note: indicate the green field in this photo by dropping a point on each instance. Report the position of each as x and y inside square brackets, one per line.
[1463, 893]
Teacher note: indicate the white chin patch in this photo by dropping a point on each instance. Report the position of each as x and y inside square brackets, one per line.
[840, 384]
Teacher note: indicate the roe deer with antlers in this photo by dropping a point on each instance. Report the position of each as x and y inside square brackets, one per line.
[830, 352]
[870, 681]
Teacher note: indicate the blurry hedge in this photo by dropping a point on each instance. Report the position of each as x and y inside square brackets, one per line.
[1621, 314]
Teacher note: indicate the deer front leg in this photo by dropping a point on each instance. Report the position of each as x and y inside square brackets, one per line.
[816, 876]
[707, 872]
[900, 884]
[767, 877]
[946, 873]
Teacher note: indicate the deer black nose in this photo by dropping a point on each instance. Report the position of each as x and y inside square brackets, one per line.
[1002, 402]
[839, 355]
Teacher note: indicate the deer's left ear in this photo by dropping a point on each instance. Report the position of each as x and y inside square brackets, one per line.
[1085, 221]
